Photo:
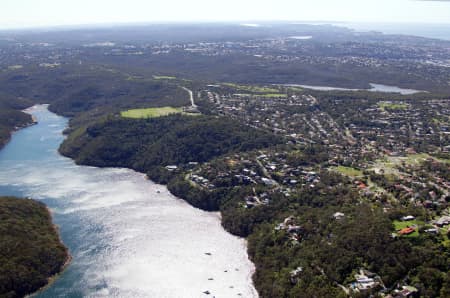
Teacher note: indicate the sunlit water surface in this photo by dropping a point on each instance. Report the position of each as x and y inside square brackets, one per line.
[128, 237]
[373, 88]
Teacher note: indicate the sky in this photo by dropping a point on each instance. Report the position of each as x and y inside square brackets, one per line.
[33, 13]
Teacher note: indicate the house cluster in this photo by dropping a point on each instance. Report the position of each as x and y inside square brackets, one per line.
[442, 221]
[293, 230]
[229, 171]
[356, 134]
[201, 181]
[276, 165]
[268, 169]
[435, 226]
[366, 280]
[284, 112]
[256, 200]
[388, 128]
[404, 292]
[393, 126]
[268, 172]
[425, 187]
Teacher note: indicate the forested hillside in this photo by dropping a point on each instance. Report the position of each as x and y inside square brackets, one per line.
[30, 248]
[11, 117]
[73, 89]
[88, 93]
[144, 144]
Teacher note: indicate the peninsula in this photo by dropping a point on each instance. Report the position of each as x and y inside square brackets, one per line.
[31, 250]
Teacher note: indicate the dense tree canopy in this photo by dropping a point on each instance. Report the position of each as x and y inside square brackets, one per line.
[30, 248]
[147, 143]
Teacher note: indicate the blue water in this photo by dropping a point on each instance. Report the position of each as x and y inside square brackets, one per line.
[374, 88]
[437, 31]
[31, 148]
[128, 236]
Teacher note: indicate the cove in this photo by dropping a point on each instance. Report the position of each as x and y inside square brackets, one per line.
[128, 236]
[373, 88]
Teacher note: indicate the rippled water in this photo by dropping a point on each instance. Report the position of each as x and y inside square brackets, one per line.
[373, 88]
[128, 236]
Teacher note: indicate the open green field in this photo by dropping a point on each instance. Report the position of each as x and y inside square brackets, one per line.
[273, 95]
[15, 67]
[398, 225]
[392, 106]
[295, 89]
[348, 171]
[414, 159]
[150, 112]
[389, 164]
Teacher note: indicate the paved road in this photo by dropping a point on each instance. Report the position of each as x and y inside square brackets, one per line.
[191, 95]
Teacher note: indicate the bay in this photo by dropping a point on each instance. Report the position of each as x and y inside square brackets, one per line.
[128, 236]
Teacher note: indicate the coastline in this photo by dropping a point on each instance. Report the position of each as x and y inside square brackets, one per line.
[17, 128]
[185, 198]
[68, 259]
[30, 236]
[160, 179]
[53, 278]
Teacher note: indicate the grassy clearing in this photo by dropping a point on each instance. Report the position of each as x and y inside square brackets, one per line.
[164, 78]
[295, 89]
[436, 121]
[442, 160]
[150, 112]
[393, 106]
[446, 240]
[390, 163]
[415, 159]
[348, 171]
[386, 166]
[272, 95]
[15, 67]
[398, 225]
[243, 94]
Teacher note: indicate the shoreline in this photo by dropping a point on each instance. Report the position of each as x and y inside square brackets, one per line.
[373, 87]
[29, 223]
[68, 259]
[185, 200]
[18, 128]
[52, 279]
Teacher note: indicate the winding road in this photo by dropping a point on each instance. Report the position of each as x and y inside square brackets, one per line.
[191, 95]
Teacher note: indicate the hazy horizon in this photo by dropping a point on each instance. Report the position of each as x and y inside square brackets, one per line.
[21, 14]
[249, 22]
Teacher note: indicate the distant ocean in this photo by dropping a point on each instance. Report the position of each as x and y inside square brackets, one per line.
[439, 31]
